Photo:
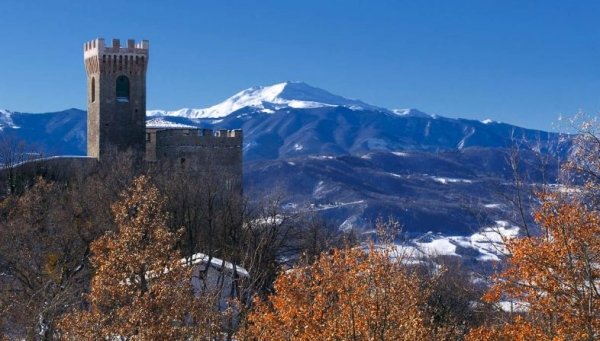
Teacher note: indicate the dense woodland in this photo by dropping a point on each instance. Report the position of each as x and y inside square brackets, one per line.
[99, 255]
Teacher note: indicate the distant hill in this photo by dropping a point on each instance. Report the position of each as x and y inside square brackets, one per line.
[55, 133]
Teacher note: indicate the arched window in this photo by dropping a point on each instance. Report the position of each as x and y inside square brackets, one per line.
[93, 89]
[122, 89]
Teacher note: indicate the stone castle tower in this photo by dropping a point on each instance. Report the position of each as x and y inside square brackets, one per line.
[116, 87]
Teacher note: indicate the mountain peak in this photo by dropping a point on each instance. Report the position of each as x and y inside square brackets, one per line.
[300, 91]
[289, 94]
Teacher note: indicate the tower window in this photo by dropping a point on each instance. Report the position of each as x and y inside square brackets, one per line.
[93, 89]
[122, 89]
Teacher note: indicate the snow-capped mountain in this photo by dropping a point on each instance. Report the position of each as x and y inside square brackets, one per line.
[293, 119]
[346, 159]
[269, 99]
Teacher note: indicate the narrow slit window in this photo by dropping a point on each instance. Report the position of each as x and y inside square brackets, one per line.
[93, 90]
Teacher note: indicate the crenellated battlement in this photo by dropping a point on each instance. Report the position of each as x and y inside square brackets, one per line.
[195, 136]
[99, 46]
[221, 133]
[98, 56]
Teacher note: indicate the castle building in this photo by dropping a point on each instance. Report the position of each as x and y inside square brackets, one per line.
[116, 84]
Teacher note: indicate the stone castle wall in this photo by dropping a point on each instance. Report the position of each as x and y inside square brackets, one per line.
[198, 150]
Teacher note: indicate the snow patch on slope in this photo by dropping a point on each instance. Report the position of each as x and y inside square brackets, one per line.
[488, 242]
[468, 134]
[348, 224]
[410, 113]
[6, 120]
[440, 246]
[400, 154]
[446, 181]
[329, 206]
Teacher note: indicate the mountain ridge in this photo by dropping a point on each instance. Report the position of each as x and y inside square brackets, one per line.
[270, 98]
[293, 119]
[350, 161]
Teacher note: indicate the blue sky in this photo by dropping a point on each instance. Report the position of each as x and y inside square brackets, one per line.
[521, 62]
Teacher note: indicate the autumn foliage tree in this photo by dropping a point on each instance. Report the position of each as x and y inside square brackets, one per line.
[555, 276]
[346, 294]
[140, 289]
